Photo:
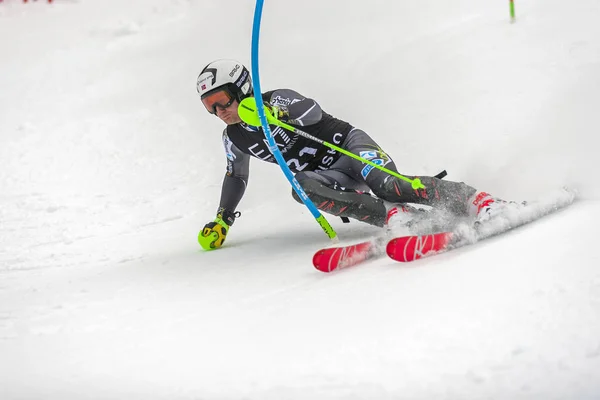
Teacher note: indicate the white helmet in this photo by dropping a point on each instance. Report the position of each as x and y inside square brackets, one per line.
[228, 75]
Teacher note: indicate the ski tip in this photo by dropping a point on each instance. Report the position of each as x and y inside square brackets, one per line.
[411, 248]
[392, 250]
[320, 261]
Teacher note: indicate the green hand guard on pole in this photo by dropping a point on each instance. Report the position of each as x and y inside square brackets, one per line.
[248, 113]
[213, 234]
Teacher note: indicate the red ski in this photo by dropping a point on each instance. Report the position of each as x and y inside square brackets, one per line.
[333, 258]
[410, 248]
[406, 248]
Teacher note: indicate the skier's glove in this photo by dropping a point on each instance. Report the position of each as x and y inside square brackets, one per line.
[280, 113]
[213, 234]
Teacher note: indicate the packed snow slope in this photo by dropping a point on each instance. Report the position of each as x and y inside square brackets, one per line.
[110, 166]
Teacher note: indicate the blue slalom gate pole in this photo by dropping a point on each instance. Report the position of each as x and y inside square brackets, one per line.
[269, 135]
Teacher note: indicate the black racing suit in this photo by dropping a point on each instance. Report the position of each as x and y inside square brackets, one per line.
[336, 183]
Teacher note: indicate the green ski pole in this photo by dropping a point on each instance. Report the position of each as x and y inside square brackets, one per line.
[248, 113]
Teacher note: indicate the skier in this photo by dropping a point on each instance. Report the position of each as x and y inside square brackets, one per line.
[337, 184]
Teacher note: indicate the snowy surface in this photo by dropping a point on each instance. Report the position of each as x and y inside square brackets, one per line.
[110, 166]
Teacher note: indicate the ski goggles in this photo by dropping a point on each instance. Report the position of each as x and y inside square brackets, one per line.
[220, 98]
